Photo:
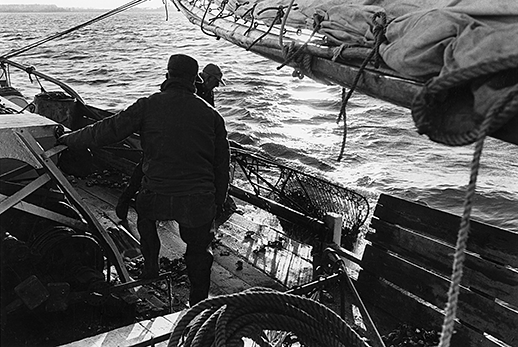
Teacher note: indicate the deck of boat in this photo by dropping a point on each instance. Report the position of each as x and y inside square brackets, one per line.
[237, 266]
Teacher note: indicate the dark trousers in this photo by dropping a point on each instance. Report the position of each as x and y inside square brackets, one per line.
[187, 211]
[198, 254]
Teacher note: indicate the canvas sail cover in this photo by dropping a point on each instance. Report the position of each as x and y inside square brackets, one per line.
[466, 50]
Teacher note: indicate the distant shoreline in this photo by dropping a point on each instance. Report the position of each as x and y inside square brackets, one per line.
[55, 9]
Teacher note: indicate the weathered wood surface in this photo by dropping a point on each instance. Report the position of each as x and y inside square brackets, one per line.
[491, 278]
[412, 249]
[488, 241]
[144, 333]
[269, 250]
[473, 309]
[389, 307]
[231, 272]
[102, 201]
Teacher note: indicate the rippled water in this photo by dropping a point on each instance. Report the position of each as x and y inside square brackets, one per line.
[113, 62]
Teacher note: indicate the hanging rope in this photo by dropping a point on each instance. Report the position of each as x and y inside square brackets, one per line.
[462, 238]
[164, 2]
[68, 31]
[225, 320]
[379, 35]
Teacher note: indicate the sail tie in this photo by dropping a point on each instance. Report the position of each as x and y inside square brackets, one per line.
[316, 27]
[278, 16]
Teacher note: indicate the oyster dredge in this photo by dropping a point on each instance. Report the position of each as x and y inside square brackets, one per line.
[425, 277]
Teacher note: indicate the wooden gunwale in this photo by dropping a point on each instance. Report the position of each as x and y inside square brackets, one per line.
[407, 265]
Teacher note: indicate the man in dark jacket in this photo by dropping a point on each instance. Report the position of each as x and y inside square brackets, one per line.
[212, 78]
[185, 164]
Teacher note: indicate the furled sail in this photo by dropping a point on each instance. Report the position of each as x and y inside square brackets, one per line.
[464, 52]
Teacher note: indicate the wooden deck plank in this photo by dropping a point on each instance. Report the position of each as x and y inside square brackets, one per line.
[254, 242]
[140, 333]
[406, 309]
[490, 242]
[480, 312]
[483, 275]
[225, 278]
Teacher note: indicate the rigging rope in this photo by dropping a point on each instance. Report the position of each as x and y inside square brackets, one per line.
[495, 114]
[379, 34]
[278, 16]
[283, 24]
[462, 238]
[318, 20]
[65, 32]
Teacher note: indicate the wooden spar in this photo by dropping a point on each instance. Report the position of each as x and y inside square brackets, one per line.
[382, 83]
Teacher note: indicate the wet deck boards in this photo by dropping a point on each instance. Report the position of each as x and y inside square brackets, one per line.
[226, 278]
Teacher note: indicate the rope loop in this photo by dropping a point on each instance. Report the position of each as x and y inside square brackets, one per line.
[427, 106]
[225, 320]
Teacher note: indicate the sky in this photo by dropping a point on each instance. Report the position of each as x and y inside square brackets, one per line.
[104, 4]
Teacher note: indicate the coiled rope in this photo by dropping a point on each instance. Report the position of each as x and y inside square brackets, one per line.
[432, 95]
[225, 320]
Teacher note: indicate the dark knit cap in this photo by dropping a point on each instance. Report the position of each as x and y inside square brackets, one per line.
[183, 66]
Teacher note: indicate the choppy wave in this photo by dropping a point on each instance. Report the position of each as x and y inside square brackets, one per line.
[113, 62]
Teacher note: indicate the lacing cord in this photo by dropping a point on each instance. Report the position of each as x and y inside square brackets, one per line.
[289, 57]
[278, 16]
[379, 35]
[166, 9]
[225, 320]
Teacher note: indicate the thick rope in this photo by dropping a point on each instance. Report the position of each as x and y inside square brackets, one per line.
[427, 100]
[462, 238]
[225, 320]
